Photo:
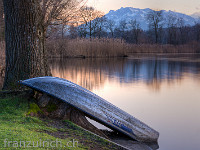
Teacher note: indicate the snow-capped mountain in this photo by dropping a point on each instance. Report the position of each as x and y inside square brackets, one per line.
[140, 15]
[196, 15]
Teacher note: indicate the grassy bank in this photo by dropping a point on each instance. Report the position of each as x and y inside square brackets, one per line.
[16, 125]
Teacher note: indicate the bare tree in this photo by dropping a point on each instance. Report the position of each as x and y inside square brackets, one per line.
[59, 15]
[72, 32]
[88, 15]
[182, 30]
[110, 24]
[97, 25]
[101, 25]
[59, 12]
[172, 29]
[25, 53]
[122, 28]
[155, 20]
[136, 30]
[82, 30]
[197, 30]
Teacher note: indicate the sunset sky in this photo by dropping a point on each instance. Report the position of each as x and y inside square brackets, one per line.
[183, 6]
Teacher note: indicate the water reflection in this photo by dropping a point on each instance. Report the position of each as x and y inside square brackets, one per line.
[93, 73]
[130, 84]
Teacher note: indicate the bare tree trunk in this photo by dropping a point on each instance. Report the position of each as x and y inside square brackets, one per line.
[25, 53]
[156, 34]
[90, 30]
[62, 32]
[1, 21]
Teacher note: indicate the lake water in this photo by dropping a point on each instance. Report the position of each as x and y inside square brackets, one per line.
[163, 92]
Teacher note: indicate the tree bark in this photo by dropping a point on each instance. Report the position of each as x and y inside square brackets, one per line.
[24, 35]
[1, 21]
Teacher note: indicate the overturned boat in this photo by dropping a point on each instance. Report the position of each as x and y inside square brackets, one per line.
[94, 107]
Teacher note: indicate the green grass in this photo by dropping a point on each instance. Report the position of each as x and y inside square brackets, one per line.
[34, 109]
[16, 125]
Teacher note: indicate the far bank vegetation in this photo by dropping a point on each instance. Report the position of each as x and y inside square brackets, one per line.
[97, 36]
[105, 47]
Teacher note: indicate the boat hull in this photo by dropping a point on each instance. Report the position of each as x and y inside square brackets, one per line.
[93, 106]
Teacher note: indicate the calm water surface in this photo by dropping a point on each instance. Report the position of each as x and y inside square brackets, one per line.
[162, 92]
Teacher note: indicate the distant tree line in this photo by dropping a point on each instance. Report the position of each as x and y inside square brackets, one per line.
[62, 18]
[172, 30]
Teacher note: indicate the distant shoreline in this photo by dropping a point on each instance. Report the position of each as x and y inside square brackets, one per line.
[107, 48]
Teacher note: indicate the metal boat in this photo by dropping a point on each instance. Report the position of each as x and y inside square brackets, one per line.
[93, 106]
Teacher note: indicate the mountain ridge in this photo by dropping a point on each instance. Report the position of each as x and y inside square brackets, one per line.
[130, 13]
[196, 15]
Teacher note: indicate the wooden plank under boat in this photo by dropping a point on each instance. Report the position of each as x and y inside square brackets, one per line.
[93, 106]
